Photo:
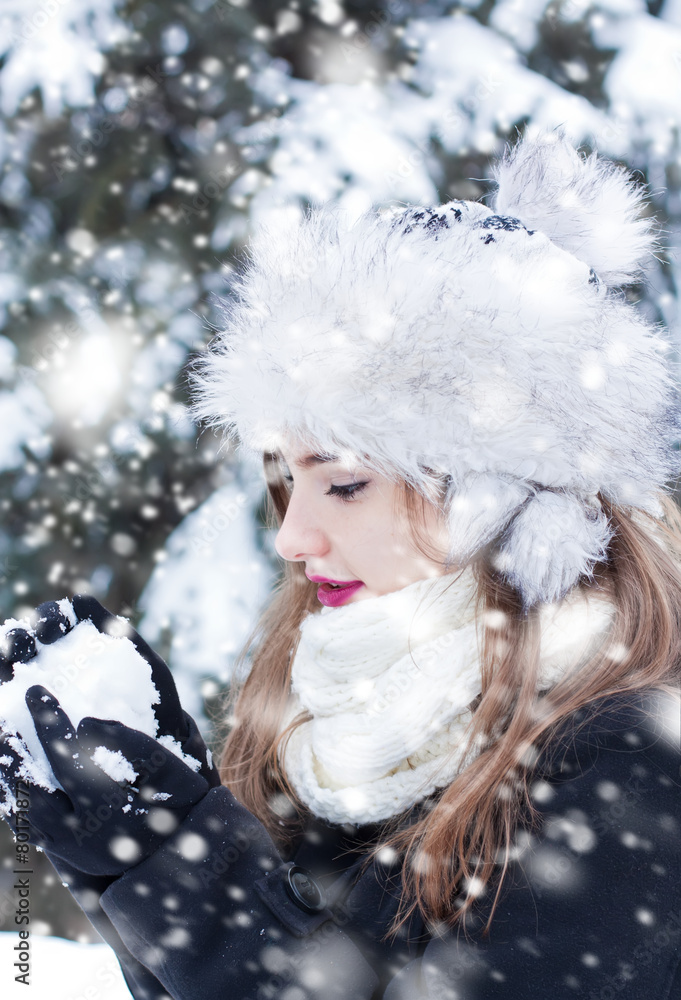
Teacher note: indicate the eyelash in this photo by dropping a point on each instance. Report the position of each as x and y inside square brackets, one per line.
[344, 493]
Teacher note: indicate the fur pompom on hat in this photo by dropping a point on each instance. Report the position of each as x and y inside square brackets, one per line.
[491, 346]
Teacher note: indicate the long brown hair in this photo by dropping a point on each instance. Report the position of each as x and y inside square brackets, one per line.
[462, 844]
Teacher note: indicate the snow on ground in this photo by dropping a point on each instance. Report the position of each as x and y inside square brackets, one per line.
[62, 970]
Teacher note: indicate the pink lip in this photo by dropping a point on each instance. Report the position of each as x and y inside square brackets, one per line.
[333, 598]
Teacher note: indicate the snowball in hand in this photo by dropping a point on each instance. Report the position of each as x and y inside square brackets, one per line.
[91, 674]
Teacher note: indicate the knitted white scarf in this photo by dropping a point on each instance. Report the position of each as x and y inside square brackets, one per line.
[389, 681]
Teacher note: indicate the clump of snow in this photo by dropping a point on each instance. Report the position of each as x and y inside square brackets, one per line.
[36, 771]
[66, 609]
[170, 744]
[113, 763]
[90, 674]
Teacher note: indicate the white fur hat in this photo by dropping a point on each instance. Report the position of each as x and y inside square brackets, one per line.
[490, 345]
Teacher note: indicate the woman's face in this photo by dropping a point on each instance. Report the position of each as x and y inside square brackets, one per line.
[346, 524]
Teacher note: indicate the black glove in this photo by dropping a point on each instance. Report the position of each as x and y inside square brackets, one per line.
[18, 646]
[98, 824]
[51, 624]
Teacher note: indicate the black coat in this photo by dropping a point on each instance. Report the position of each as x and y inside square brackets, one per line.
[591, 909]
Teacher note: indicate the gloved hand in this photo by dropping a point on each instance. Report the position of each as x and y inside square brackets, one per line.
[18, 646]
[51, 624]
[103, 823]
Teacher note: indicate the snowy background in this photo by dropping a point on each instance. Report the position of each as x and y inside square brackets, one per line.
[139, 145]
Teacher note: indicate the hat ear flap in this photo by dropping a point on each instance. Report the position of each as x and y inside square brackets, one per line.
[555, 539]
[477, 509]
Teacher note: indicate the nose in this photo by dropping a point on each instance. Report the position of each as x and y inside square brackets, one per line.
[300, 536]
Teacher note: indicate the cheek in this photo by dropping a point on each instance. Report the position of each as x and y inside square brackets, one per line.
[375, 534]
[354, 530]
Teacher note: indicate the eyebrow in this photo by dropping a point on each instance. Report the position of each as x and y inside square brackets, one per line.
[310, 460]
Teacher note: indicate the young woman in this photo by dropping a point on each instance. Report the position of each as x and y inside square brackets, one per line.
[453, 771]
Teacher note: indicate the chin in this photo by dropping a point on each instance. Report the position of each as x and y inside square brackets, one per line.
[363, 595]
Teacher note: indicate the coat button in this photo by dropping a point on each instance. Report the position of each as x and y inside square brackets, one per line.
[304, 890]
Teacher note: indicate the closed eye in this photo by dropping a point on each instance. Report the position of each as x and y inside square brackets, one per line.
[344, 493]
